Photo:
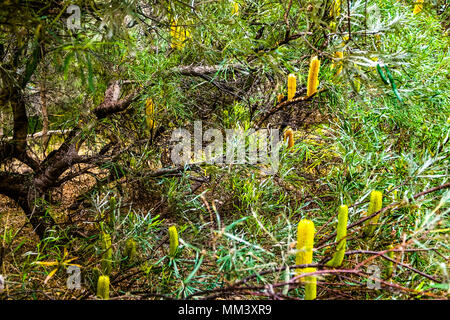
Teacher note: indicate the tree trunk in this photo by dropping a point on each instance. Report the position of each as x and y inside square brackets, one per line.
[37, 216]
[22, 189]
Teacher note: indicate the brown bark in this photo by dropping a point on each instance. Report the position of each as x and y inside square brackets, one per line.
[111, 104]
[18, 187]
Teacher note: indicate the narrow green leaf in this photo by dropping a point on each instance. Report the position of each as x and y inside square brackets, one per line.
[192, 274]
[67, 63]
[90, 74]
[380, 72]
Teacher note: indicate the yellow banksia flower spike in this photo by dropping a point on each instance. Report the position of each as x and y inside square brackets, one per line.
[130, 249]
[149, 113]
[341, 235]
[335, 8]
[418, 7]
[174, 34]
[390, 264]
[179, 34]
[305, 242]
[173, 239]
[292, 86]
[103, 287]
[311, 286]
[376, 202]
[289, 135]
[106, 261]
[235, 10]
[313, 77]
[338, 55]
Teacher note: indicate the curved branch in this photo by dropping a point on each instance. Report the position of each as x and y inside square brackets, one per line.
[111, 104]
